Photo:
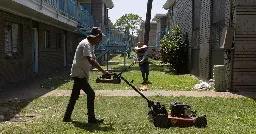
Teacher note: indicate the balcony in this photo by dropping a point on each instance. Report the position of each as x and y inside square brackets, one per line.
[66, 14]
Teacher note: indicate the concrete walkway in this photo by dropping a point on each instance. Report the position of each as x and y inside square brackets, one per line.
[32, 93]
[158, 93]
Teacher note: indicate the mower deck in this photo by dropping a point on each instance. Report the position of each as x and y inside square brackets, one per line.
[182, 122]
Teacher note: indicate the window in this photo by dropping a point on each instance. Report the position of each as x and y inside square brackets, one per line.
[171, 11]
[58, 41]
[46, 39]
[13, 40]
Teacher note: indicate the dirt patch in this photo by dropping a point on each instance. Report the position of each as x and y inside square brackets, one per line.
[24, 118]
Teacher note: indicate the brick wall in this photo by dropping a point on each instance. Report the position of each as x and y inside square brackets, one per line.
[72, 42]
[194, 66]
[152, 34]
[182, 15]
[53, 57]
[244, 64]
[13, 70]
[204, 39]
[49, 58]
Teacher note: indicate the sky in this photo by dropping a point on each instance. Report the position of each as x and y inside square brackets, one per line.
[139, 7]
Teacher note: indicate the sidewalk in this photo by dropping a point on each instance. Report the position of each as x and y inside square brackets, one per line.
[40, 92]
[158, 93]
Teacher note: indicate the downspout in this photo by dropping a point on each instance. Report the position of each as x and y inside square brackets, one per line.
[191, 45]
[233, 46]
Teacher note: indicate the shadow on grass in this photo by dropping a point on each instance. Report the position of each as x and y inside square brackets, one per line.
[10, 109]
[16, 96]
[251, 95]
[92, 127]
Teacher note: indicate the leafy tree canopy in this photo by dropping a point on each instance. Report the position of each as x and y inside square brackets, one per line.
[129, 22]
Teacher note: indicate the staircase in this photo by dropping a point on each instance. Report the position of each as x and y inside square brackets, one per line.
[114, 41]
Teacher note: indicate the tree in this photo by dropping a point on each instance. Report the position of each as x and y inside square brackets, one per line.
[129, 22]
[147, 22]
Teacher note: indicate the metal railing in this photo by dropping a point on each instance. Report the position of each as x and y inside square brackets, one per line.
[73, 10]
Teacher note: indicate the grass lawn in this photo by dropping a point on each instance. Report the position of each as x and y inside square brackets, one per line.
[129, 115]
[159, 77]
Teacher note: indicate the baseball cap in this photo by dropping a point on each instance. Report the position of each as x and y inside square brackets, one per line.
[95, 31]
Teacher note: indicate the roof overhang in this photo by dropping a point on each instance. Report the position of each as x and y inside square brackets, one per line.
[109, 3]
[168, 4]
[158, 16]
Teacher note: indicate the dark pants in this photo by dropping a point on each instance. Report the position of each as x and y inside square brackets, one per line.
[81, 83]
[144, 68]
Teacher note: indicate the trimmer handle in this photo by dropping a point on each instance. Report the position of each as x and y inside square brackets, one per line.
[134, 62]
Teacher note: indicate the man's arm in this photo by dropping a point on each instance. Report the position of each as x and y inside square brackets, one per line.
[95, 64]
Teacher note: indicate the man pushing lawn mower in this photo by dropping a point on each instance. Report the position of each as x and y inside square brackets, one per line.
[83, 60]
[181, 115]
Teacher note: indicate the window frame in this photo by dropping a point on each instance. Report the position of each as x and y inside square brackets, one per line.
[19, 47]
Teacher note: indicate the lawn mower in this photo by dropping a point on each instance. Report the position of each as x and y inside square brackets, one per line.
[181, 114]
[109, 78]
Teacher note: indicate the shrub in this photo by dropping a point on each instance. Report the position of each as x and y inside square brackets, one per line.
[174, 50]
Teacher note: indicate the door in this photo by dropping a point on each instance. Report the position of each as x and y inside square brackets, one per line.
[35, 50]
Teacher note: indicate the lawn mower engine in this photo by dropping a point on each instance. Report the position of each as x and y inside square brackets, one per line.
[158, 115]
[109, 78]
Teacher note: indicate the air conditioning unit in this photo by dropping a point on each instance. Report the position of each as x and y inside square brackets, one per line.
[219, 78]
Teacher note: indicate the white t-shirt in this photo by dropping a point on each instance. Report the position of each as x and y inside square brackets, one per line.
[81, 66]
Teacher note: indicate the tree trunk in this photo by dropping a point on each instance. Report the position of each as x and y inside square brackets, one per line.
[147, 22]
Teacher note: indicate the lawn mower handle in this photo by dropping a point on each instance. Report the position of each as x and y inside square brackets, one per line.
[150, 103]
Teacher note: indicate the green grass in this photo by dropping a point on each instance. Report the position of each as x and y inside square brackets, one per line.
[159, 77]
[129, 115]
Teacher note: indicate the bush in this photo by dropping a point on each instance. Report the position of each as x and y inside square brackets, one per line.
[174, 50]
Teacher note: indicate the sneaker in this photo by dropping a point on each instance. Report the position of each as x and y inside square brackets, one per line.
[95, 121]
[66, 119]
[146, 82]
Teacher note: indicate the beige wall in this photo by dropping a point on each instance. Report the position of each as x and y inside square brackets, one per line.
[152, 33]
